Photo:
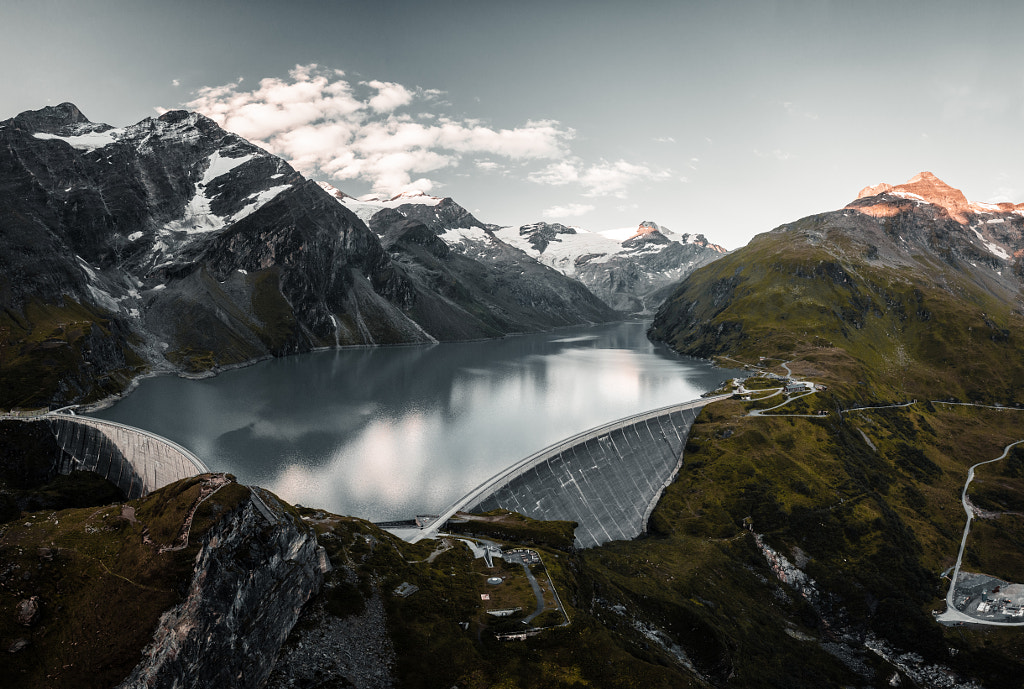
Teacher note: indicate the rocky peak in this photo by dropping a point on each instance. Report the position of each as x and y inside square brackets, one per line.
[416, 196]
[333, 190]
[541, 234]
[701, 240]
[647, 233]
[61, 119]
[924, 187]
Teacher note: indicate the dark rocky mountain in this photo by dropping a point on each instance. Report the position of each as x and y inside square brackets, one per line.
[174, 245]
[631, 275]
[500, 288]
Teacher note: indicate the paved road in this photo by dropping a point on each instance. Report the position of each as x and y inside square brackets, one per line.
[536, 591]
[761, 412]
[880, 406]
[952, 615]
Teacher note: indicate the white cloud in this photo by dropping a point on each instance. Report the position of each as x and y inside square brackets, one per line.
[600, 179]
[390, 96]
[571, 210]
[326, 125]
[665, 140]
[175, 82]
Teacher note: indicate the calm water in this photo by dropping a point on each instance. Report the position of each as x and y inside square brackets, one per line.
[388, 433]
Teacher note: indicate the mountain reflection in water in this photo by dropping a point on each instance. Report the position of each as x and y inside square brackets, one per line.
[387, 433]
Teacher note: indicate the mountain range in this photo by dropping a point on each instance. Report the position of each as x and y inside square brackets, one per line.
[172, 245]
[803, 546]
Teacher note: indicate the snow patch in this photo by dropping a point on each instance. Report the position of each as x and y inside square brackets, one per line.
[460, 236]
[198, 217]
[619, 235]
[221, 165]
[103, 298]
[993, 248]
[261, 200]
[89, 141]
[562, 254]
[365, 207]
[908, 195]
[134, 236]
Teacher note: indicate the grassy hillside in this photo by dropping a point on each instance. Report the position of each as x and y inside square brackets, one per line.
[923, 329]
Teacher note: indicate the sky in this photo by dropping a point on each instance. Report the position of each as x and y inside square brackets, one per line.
[726, 118]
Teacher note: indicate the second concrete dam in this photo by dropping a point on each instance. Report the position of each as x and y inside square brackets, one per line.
[607, 479]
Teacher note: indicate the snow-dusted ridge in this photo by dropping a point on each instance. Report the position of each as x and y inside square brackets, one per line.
[365, 207]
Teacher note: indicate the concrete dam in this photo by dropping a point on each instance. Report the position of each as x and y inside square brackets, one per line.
[607, 479]
[137, 461]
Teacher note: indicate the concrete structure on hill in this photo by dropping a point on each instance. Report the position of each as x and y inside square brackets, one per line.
[137, 461]
[607, 479]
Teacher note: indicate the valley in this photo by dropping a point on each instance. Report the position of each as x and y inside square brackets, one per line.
[808, 518]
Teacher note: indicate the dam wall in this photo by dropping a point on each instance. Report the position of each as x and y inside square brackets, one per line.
[137, 461]
[607, 479]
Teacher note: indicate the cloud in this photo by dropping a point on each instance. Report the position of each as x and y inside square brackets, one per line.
[390, 96]
[571, 210]
[600, 179]
[328, 126]
[665, 140]
[175, 82]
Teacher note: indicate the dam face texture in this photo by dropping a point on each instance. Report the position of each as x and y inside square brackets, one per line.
[137, 461]
[608, 480]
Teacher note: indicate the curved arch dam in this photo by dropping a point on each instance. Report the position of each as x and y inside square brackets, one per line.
[136, 461]
[607, 479]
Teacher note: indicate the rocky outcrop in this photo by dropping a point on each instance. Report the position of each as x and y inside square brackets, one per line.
[257, 568]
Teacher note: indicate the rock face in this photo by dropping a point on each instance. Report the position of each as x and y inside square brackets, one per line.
[632, 275]
[256, 570]
[174, 245]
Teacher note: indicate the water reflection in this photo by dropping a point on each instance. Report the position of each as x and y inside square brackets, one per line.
[387, 433]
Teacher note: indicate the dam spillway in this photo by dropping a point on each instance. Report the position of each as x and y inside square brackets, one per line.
[136, 461]
[607, 479]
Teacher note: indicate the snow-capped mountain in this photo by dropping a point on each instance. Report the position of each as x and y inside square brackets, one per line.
[172, 244]
[463, 260]
[630, 270]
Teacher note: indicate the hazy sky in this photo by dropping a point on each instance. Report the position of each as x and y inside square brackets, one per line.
[726, 118]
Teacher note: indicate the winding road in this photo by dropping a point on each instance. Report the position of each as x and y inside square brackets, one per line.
[952, 615]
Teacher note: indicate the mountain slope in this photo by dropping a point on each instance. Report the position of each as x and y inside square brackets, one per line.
[907, 296]
[914, 291]
[174, 245]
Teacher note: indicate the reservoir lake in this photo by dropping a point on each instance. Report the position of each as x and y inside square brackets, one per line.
[386, 433]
